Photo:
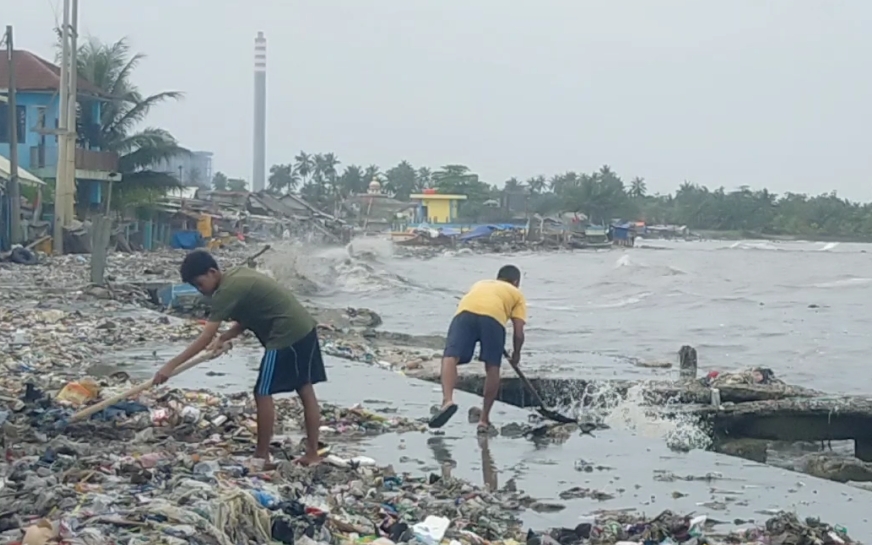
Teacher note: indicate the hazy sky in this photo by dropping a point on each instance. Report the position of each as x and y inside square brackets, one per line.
[756, 92]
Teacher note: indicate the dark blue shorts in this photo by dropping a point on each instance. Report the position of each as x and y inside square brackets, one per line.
[287, 369]
[466, 330]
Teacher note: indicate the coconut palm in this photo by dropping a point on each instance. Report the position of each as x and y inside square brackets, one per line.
[124, 108]
[638, 187]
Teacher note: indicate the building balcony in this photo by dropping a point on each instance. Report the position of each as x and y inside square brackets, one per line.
[46, 159]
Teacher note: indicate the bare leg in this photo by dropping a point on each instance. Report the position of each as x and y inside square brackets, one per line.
[449, 380]
[266, 418]
[312, 417]
[491, 388]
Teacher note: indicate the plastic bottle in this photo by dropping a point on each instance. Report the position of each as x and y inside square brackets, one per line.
[264, 498]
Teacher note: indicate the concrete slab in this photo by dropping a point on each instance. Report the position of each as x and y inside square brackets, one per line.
[638, 471]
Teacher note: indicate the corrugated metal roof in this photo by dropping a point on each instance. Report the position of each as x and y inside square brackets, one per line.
[24, 176]
[33, 73]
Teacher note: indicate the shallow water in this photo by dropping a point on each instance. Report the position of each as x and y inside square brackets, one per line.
[800, 308]
[738, 490]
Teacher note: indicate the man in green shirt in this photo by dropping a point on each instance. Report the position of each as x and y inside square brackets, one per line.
[292, 361]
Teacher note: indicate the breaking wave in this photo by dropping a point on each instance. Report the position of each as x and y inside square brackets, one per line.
[746, 245]
[628, 268]
[844, 283]
[629, 409]
[316, 270]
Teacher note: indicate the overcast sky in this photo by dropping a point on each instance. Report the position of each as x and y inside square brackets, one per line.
[755, 92]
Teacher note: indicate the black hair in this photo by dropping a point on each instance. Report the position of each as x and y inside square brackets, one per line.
[509, 273]
[197, 263]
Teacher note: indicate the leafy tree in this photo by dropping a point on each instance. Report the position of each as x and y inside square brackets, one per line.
[424, 177]
[352, 180]
[638, 188]
[402, 181]
[237, 184]
[372, 172]
[513, 184]
[601, 195]
[304, 165]
[219, 181]
[124, 109]
[283, 178]
[537, 184]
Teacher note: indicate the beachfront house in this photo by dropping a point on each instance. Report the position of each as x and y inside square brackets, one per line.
[37, 83]
[436, 208]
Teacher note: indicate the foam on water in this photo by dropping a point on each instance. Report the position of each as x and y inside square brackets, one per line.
[844, 283]
[358, 267]
[633, 411]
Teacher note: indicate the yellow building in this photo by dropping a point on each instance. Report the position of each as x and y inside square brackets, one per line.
[436, 207]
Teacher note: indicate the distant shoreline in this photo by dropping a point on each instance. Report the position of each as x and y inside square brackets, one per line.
[747, 235]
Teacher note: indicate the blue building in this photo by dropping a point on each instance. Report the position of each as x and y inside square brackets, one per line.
[37, 111]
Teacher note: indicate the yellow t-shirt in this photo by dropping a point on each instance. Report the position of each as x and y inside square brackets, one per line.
[495, 298]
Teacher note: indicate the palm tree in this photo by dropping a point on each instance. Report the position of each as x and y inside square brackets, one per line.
[513, 184]
[304, 165]
[124, 108]
[638, 188]
[283, 178]
[372, 172]
[423, 178]
[537, 184]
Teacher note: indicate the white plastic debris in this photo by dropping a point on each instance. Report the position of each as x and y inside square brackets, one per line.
[432, 530]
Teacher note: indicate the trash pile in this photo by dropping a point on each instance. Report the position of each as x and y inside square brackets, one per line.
[128, 275]
[173, 465]
[626, 528]
[69, 339]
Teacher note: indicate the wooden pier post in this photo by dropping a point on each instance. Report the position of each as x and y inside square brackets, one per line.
[101, 231]
[687, 363]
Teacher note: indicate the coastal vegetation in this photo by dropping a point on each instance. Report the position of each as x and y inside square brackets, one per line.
[602, 196]
[124, 110]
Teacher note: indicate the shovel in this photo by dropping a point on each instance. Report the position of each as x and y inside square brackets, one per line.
[550, 414]
[94, 409]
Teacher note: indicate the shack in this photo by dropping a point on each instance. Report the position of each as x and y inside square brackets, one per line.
[623, 234]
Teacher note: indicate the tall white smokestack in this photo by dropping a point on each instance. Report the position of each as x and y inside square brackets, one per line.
[258, 182]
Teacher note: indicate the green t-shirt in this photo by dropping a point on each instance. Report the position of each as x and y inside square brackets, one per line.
[262, 305]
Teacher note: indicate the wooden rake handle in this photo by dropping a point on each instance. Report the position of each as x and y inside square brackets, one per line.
[136, 390]
[524, 380]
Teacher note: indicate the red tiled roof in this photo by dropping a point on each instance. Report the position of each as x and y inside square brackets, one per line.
[33, 73]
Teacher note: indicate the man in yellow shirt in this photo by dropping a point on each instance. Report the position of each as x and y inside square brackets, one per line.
[481, 319]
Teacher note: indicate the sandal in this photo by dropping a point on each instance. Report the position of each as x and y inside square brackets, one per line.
[443, 416]
[488, 430]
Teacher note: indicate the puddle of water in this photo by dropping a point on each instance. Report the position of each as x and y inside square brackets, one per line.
[744, 492]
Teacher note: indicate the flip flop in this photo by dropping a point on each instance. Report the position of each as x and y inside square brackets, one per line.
[489, 431]
[323, 450]
[443, 416]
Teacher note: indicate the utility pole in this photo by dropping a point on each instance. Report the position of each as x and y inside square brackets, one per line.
[63, 118]
[13, 190]
[72, 134]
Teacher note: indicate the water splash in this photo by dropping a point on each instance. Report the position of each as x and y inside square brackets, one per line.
[357, 267]
[631, 409]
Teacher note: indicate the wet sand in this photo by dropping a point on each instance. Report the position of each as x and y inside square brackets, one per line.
[635, 470]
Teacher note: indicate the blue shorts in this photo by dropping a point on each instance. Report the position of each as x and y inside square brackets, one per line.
[288, 369]
[466, 330]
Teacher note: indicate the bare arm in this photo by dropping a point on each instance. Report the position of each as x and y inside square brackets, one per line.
[517, 337]
[199, 344]
[519, 320]
[235, 330]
